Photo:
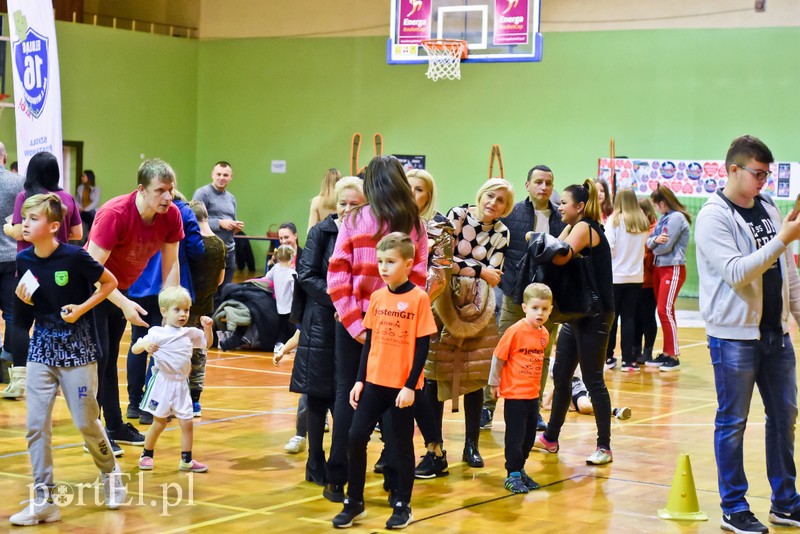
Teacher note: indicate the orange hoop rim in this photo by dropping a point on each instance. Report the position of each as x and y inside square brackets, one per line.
[447, 44]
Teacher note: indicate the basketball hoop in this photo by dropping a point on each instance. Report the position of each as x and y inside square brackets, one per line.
[444, 58]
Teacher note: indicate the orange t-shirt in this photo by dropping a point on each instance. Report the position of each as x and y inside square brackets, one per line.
[522, 346]
[396, 321]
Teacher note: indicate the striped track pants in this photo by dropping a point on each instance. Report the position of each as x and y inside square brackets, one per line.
[667, 283]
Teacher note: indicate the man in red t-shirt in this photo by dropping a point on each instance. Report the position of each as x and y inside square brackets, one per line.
[516, 374]
[127, 231]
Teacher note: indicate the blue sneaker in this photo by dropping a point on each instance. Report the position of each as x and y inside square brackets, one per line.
[196, 409]
[514, 484]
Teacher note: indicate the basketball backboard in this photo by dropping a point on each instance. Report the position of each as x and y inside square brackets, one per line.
[495, 30]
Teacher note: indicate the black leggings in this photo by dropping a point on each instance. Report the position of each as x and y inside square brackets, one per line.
[374, 401]
[426, 409]
[521, 416]
[110, 328]
[347, 356]
[315, 415]
[626, 300]
[582, 342]
[645, 320]
[473, 402]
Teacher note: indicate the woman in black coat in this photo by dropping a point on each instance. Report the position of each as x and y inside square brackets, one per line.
[313, 372]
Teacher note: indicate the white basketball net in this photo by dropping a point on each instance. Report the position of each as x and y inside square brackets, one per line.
[444, 60]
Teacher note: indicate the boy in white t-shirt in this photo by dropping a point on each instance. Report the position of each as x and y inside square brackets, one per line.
[168, 390]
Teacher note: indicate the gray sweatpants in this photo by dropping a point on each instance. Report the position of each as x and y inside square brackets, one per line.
[79, 387]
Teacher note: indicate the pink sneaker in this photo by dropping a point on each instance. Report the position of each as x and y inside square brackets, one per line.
[145, 463]
[194, 466]
[541, 443]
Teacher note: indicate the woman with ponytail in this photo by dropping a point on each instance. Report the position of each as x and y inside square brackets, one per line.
[669, 242]
[583, 341]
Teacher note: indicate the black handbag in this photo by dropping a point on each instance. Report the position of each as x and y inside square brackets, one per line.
[574, 287]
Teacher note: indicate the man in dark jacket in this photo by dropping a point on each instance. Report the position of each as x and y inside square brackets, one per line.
[538, 214]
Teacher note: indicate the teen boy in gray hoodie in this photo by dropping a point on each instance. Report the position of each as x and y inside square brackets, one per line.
[748, 287]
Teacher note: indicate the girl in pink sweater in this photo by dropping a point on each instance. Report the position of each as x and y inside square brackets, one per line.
[353, 277]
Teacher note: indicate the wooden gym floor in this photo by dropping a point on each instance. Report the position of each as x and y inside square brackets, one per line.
[249, 414]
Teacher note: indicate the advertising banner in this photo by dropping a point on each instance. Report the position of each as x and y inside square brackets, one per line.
[511, 19]
[695, 178]
[37, 84]
[415, 21]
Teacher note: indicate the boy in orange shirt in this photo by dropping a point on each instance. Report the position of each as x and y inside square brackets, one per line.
[399, 323]
[515, 376]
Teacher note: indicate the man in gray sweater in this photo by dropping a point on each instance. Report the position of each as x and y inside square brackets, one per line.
[748, 287]
[10, 187]
[221, 207]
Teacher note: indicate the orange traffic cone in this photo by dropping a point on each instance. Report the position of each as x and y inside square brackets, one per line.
[682, 503]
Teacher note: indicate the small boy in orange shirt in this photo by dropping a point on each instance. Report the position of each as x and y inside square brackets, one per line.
[515, 376]
[399, 323]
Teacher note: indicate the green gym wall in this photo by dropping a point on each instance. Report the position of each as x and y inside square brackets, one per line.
[673, 93]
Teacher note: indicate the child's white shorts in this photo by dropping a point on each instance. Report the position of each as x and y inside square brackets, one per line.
[166, 396]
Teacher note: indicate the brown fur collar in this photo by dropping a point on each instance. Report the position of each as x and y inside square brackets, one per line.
[467, 307]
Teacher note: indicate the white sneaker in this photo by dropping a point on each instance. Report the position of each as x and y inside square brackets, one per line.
[296, 445]
[33, 514]
[600, 457]
[16, 386]
[114, 488]
[278, 347]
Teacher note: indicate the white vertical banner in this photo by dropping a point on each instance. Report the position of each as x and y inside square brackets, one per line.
[37, 84]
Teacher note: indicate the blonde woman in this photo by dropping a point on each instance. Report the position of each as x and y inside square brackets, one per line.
[324, 204]
[626, 230]
[459, 360]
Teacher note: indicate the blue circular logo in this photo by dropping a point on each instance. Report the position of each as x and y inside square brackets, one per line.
[33, 68]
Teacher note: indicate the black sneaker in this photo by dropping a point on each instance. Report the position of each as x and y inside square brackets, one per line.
[116, 450]
[146, 418]
[658, 361]
[133, 411]
[742, 523]
[541, 426]
[671, 364]
[334, 492]
[401, 516]
[432, 466]
[528, 481]
[351, 513]
[127, 435]
[381, 463]
[786, 520]
[610, 363]
[632, 366]
[486, 419]
[647, 355]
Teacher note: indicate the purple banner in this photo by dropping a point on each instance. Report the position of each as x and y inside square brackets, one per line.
[414, 19]
[511, 22]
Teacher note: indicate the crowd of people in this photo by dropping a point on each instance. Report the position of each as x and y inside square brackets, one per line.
[394, 308]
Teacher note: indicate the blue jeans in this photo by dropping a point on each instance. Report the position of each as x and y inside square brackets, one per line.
[768, 363]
